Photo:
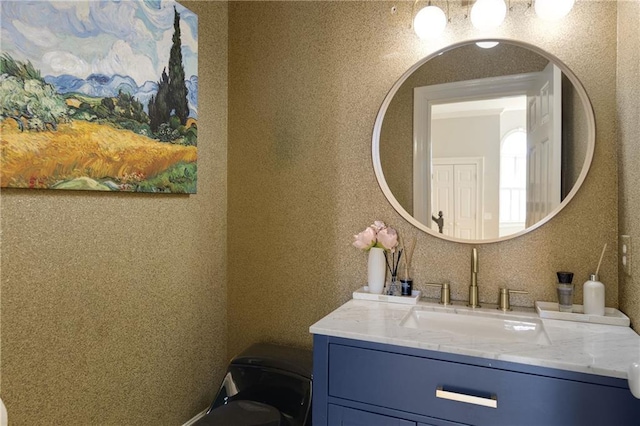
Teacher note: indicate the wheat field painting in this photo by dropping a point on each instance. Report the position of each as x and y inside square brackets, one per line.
[98, 95]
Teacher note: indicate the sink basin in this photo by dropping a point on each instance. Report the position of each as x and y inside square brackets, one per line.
[480, 327]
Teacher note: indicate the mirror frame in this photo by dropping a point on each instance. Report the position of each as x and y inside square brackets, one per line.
[591, 131]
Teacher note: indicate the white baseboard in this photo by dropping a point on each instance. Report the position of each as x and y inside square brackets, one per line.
[196, 417]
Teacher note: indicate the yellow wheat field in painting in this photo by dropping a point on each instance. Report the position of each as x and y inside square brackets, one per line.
[82, 149]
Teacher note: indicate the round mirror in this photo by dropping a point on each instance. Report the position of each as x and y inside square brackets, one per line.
[483, 141]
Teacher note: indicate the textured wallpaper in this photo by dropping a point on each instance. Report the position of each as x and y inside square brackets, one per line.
[114, 311]
[306, 80]
[113, 306]
[628, 96]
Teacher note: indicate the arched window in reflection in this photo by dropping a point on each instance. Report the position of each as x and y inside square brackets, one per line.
[513, 182]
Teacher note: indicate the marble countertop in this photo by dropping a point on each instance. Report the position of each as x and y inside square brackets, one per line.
[605, 350]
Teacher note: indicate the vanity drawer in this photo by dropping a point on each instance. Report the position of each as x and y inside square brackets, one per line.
[438, 389]
[343, 416]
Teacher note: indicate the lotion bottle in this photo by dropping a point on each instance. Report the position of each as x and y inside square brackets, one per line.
[593, 296]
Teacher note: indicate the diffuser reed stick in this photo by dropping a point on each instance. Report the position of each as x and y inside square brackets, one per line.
[408, 256]
[395, 262]
[601, 256]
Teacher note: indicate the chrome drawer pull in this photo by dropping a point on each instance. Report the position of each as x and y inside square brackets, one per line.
[470, 399]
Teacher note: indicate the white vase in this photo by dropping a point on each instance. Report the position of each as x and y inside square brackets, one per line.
[376, 269]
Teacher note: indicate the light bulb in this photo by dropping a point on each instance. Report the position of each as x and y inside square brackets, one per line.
[488, 14]
[487, 44]
[429, 22]
[552, 10]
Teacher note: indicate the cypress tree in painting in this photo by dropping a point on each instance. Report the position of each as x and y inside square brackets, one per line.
[159, 106]
[177, 86]
[172, 89]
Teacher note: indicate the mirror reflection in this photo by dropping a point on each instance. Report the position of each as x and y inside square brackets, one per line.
[480, 144]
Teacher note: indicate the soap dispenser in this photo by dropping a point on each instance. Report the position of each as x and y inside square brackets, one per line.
[593, 296]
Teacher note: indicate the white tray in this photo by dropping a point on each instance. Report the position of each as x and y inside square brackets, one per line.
[363, 293]
[611, 316]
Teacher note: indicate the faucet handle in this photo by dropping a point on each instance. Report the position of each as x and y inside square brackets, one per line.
[445, 292]
[504, 303]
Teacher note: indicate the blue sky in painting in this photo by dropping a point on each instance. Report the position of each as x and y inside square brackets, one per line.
[83, 37]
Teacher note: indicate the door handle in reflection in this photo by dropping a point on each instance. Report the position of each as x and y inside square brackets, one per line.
[469, 399]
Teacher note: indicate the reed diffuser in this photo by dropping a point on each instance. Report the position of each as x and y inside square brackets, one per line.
[406, 278]
[393, 270]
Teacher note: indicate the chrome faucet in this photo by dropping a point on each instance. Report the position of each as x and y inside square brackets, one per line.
[473, 288]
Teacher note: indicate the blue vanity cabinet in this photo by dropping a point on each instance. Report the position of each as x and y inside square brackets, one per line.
[370, 384]
[343, 416]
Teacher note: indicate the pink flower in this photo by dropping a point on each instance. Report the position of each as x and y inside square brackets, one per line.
[366, 239]
[388, 237]
[378, 225]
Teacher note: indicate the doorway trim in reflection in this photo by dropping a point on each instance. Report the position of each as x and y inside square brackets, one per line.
[424, 99]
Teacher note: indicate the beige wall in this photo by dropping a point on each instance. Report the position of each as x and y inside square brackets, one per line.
[113, 307]
[306, 81]
[113, 312]
[628, 96]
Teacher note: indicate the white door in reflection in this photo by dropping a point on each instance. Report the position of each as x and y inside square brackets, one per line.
[544, 144]
[456, 183]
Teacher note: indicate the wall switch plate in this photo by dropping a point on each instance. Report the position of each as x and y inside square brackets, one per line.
[625, 253]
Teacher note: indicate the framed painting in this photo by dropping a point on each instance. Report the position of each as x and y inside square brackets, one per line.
[99, 95]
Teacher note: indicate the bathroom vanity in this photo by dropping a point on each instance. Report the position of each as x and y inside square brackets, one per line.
[375, 364]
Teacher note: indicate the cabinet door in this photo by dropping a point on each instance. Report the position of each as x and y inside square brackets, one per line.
[342, 416]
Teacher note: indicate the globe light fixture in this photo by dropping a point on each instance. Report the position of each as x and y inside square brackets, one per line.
[488, 14]
[429, 22]
[552, 10]
[487, 44]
